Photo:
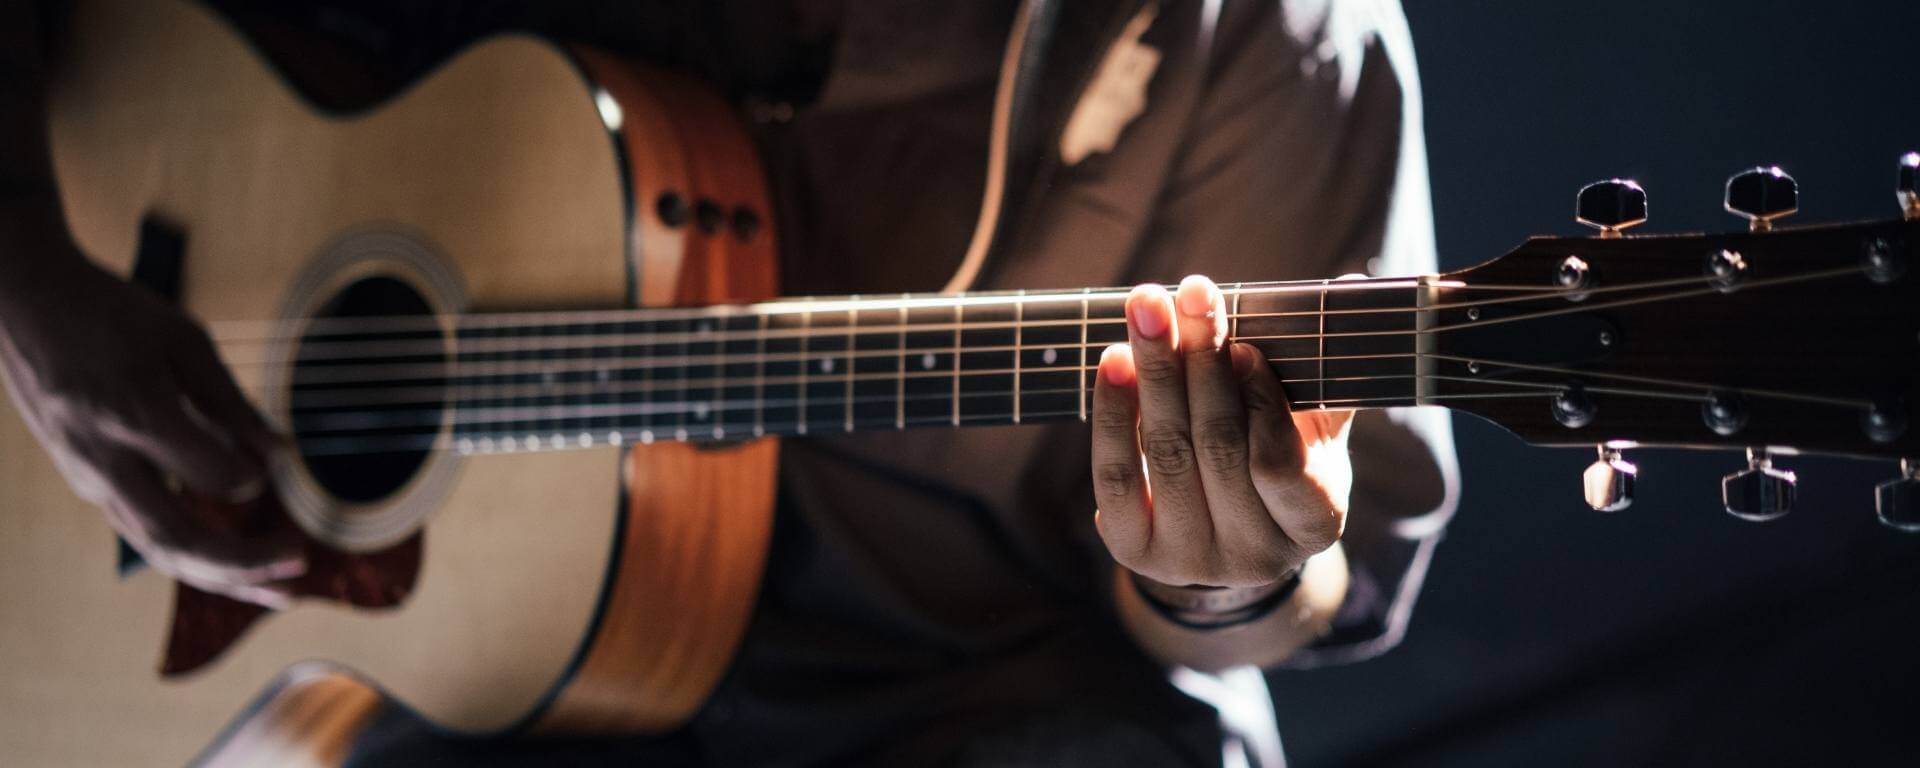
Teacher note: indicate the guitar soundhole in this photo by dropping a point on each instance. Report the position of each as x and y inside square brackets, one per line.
[367, 396]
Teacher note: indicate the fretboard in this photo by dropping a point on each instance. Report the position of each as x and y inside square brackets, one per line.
[834, 365]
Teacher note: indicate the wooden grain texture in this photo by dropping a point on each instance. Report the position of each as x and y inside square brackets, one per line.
[698, 520]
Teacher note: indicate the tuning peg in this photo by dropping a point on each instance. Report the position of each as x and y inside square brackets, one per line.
[1897, 501]
[1908, 185]
[1761, 195]
[1608, 481]
[1760, 492]
[1611, 206]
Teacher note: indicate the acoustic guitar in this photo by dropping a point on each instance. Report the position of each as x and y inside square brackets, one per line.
[519, 321]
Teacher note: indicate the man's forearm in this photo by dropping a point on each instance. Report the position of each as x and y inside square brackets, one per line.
[1265, 642]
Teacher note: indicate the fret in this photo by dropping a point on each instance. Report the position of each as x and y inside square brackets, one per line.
[671, 419]
[827, 371]
[572, 387]
[959, 318]
[1321, 356]
[1233, 313]
[603, 399]
[928, 397]
[760, 376]
[737, 410]
[900, 372]
[638, 351]
[1019, 319]
[847, 370]
[1285, 327]
[1081, 380]
[697, 372]
[1105, 326]
[781, 395]
[1049, 361]
[1369, 354]
[575, 385]
[987, 364]
[875, 374]
[806, 369]
[525, 369]
[463, 392]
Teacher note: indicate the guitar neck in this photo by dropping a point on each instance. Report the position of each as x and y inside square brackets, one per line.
[811, 366]
[825, 365]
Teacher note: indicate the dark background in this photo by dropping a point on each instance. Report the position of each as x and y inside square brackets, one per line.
[1669, 633]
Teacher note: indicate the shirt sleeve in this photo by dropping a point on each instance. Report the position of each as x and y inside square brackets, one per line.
[1305, 159]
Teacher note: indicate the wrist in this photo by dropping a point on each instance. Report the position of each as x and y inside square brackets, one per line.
[1204, 607]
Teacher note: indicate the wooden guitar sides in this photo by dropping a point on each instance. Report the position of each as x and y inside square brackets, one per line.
[597, 590]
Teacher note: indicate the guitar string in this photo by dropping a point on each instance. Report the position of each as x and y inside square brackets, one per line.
[435, 440]
[439, 441]
[312, 351]
[1702, 392]
[327, 397]
[683, 431]
[275, 329]
[342, 400]
[561, 411]
[489, 414]
[392, 372]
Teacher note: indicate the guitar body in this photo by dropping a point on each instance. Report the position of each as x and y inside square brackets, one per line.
[599, 590]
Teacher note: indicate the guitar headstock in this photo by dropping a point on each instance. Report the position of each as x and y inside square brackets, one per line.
[1776, 341]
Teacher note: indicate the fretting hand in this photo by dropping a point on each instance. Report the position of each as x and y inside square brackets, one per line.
[1202, 473]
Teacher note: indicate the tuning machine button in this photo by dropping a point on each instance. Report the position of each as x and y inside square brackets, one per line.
[1611, 206]
[1897, 501]
[1608, 481]
[1761, 195]
[1760, 492]
[1907, 185]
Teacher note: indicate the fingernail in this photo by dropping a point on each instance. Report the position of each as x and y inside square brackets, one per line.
[1198, 296]
[1145, 308]
[1116, 365]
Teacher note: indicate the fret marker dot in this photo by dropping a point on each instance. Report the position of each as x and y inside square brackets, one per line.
[557, 441]
[603, 375]
[1049, 356]
[614, 438]
[700, 410]
[507, 444]
[646, 436]
[826, 365]
[705, 328]
[547, 378]
[585, 440]
[466, 446]
[486, 445]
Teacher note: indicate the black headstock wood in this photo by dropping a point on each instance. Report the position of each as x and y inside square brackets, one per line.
[1799, 340]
